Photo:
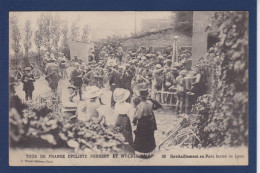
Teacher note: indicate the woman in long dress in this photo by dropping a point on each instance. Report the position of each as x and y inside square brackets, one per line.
[122, 111]
[145, 121]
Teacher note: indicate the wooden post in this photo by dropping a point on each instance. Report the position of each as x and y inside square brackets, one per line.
[175, 52]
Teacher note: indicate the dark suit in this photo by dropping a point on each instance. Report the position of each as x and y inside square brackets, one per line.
[115, 81]
[77, 81]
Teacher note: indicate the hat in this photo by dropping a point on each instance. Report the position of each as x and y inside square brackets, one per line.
[76, 64]
[168, 84]
[183, 72]
[173, 69]
[53, 58]
[160, 56]
[176, 64]
[139, 78]
[121, 66]
[27, 68]
[69, 106]
[92, 92]
[143, 92]
[93, 65]
[121, 94]
[158, 66]
[158, 53]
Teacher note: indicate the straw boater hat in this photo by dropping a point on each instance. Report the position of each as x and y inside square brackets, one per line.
[168, 84]
[92, 92]
[158, 66]
[69, 107]
[183, 72]
[121, 94]
[176, 64]
[27, 68]
[76, 64]
[173, 69]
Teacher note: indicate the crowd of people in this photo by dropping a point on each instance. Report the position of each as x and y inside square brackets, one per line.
[141, 78]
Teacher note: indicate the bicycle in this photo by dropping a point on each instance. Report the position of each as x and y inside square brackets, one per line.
[182, 133]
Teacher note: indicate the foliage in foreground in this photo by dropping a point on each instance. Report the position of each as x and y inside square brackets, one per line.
[39, 127]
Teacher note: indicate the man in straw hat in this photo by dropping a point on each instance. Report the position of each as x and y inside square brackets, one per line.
[122, 111]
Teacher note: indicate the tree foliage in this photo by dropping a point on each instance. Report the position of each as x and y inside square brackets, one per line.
[27, 38]
[74, 31]
[55, 32]
[85, 34]
[224, 112]
[182, 20]
[65, 39]
[15, 35]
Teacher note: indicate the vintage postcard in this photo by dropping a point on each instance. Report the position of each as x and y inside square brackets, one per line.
[128, 88]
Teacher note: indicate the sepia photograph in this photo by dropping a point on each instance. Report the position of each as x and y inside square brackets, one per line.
[128, 88]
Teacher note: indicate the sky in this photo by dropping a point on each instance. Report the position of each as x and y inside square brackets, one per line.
[101, 24]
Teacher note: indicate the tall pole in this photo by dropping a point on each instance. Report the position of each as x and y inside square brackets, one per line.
[175, 52]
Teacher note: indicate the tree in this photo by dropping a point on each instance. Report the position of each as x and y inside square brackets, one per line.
[224, 111]
[15, 35]
[85, 34]
[74, 31]
[182, 20]
[65, 40]
[55, 32]
[38, 39]
[46, 21]
[27, 38]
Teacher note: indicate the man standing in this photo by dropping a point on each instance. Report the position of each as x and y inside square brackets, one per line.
[91, 77]
[76, 79]
[52, 74]
[127, 77]
[28, 86]
[115, 82]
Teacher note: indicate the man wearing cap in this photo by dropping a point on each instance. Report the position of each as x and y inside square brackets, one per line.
[76, 79]
[115, 82]
[127, 77]
[158, 80]
[52, 74]
[27, 81]
[100, 74]
[92, 76]
[63, 67]
[198, 86]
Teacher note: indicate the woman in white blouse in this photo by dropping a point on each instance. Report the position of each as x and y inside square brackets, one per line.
[122, 111]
